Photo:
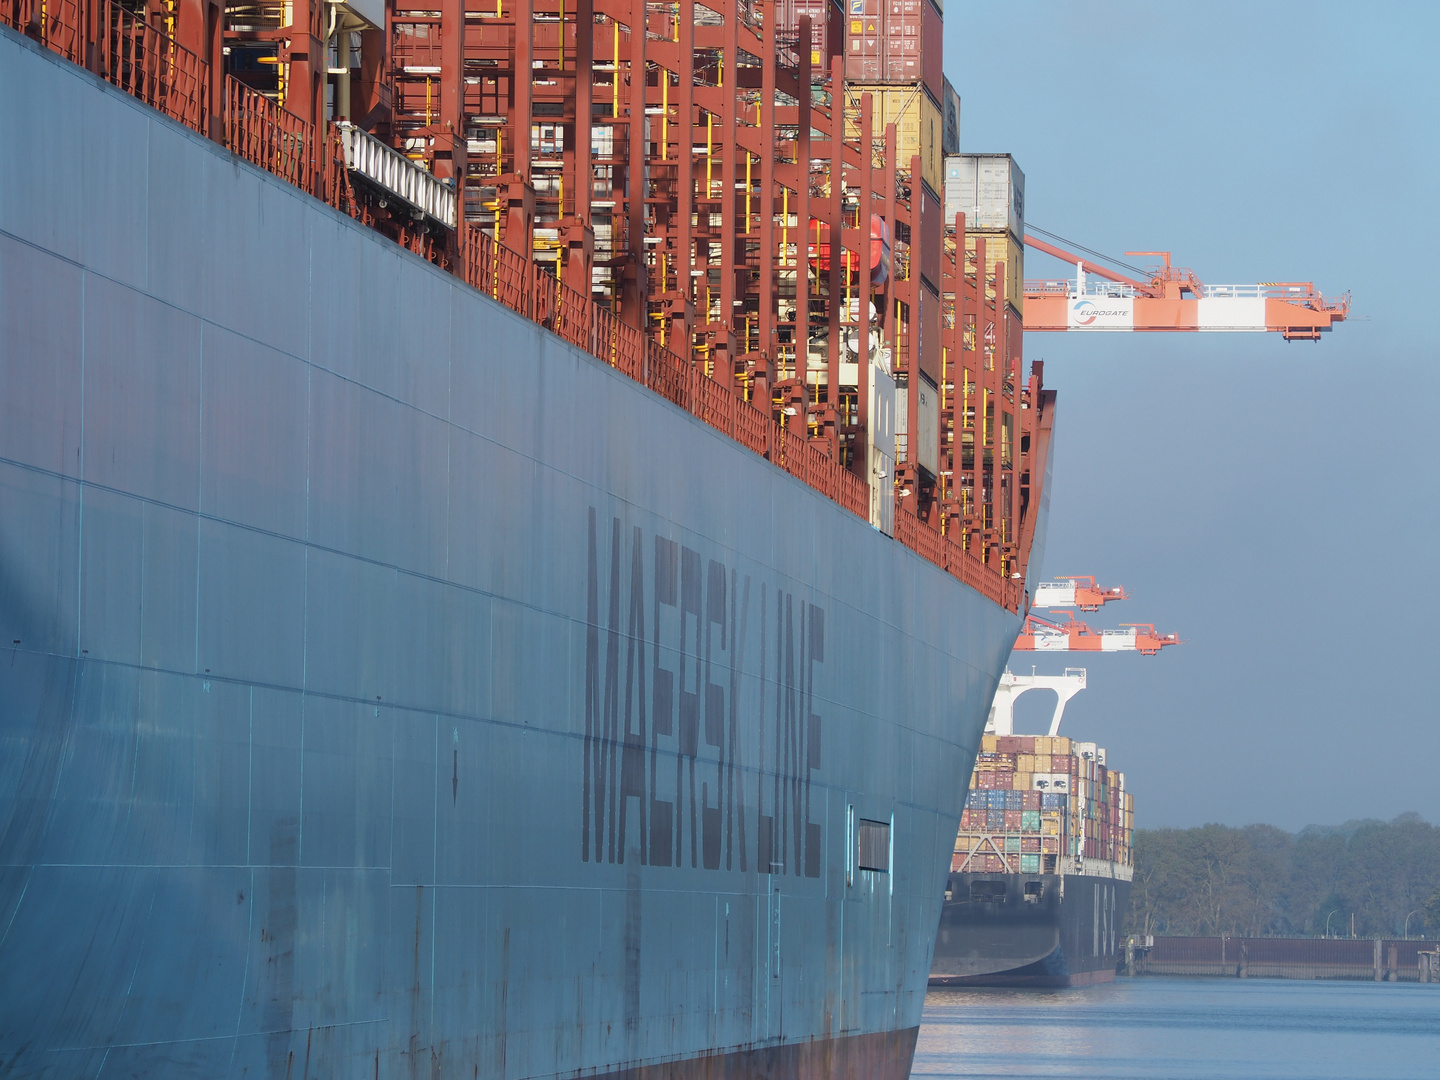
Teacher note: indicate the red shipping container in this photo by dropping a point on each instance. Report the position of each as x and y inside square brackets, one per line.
[827, 26]
[864, 41]
[1049, 844]
[1008, 744]
[985, 781]
[1030, 800]
[932, 59]
[901, 42]
[1030, 843]
[1027, 744]
[1012, 820]
[956, 861]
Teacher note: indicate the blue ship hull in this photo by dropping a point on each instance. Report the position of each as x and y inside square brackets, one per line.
[389, 689]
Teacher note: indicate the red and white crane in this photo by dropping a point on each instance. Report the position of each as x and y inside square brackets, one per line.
[1069, 634]
[1076, 590]
[1173, 299]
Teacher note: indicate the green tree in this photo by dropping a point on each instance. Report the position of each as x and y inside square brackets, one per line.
[1260, 880]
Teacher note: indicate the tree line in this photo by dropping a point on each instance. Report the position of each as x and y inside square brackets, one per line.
[1261, 881]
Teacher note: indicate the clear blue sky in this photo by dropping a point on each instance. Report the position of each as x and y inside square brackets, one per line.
[1277, 505]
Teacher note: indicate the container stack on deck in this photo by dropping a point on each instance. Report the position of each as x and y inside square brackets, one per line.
[989, 189]
[1043, 805]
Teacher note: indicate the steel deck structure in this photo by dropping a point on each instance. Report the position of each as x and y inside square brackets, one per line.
[667, 198]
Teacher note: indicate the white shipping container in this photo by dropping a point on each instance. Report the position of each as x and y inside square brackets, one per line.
[882, 449]
[928, 448]
[928, 408]
[989, 189]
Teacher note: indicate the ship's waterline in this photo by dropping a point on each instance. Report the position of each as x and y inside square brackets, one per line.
[335, 668]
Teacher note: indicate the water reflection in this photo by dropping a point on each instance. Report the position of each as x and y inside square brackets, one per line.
[1147, 1029]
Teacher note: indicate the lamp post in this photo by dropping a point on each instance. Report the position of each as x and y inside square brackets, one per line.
[1407, 923]
[1327, 922]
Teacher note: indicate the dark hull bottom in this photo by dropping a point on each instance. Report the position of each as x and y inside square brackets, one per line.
[1021, 980]
[1028, 930]
[881, 1055]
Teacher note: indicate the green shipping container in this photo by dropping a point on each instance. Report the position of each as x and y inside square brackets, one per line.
[1030, 821]
[1029, 864]
[1012, 843]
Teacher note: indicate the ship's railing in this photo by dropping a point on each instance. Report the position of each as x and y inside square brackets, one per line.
[145, 62]
[127, 51]
[57, 26]
[264, 134]
[139, 58]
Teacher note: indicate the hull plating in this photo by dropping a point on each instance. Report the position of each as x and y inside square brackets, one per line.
[388, 688]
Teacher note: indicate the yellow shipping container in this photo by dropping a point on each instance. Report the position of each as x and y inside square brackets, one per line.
[1025, 763]
[1023, 781]
[1042, 762]
[1002, 246]
[1060, 745]
[919, 126]
[989, 743]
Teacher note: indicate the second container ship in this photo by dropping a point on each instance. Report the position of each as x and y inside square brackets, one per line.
[1040, 878]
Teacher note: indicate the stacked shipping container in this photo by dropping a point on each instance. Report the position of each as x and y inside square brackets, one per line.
[989, 189]
[1043, 805]
[895, 41]
[919, 128]
[894, 51]
[827, 29]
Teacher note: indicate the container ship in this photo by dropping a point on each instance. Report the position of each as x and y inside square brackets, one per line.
[585, 412]
[1040, 877]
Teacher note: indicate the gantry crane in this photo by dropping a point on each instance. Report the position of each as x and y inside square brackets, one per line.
[1002, 709]
[1074, 590]
[1069, 634]
[1173, 299]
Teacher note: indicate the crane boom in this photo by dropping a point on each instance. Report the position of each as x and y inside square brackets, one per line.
[1071, 635]
[1174, 299]
[1076, 591]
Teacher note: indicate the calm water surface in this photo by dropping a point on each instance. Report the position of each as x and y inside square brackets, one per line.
[1186, 1029]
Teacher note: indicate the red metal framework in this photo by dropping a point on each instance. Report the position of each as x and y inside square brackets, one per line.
[661, 185]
